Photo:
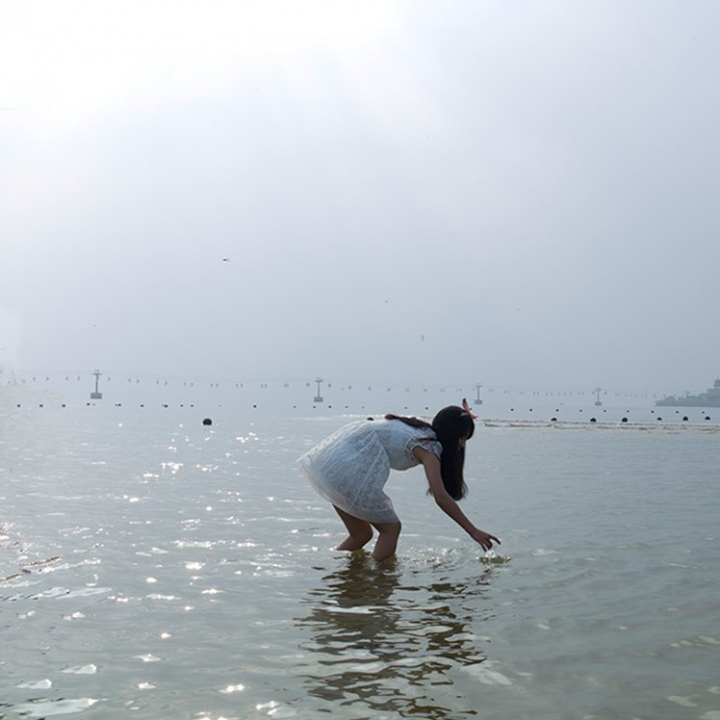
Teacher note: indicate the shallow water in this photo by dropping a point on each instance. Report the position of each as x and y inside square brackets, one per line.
[159, 568]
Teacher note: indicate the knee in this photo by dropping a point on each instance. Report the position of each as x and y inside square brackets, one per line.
[391, 529]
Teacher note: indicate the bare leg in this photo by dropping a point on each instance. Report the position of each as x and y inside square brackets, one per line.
[360, 531]
[387, 539]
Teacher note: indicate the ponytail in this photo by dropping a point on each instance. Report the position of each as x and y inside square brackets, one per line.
[411, 421]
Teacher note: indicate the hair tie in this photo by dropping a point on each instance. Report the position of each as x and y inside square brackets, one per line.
[467, 410]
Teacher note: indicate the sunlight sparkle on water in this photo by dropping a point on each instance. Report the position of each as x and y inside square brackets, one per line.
[233, 688]
[148, 658]
[90, 669]
[56, 707]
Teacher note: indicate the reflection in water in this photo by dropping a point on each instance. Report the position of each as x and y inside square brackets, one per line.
[391, 638]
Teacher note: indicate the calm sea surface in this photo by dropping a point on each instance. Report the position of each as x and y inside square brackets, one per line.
[153, 567]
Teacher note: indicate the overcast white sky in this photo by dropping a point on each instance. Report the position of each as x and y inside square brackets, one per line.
[511, 192]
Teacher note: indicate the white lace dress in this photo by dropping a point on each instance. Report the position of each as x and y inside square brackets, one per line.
[350, 468]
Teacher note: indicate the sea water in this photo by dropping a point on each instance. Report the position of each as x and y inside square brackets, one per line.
[155, 567]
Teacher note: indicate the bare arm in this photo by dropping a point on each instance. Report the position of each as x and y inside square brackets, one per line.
[432, 470]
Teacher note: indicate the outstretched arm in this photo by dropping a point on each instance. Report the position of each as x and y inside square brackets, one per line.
[432, 470]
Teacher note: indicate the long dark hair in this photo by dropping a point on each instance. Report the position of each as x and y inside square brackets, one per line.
[450, 425]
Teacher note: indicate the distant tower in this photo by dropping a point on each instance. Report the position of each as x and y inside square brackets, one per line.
[597, 396]
[97, 395]
[478, 401]
[318, 397]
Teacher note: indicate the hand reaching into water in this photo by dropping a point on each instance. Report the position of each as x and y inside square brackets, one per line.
[485, 539]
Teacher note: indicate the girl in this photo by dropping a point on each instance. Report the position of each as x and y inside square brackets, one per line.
[351, 467]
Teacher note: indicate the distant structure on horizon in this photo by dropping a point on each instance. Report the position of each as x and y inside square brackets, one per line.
[710, 398]
[97, 395]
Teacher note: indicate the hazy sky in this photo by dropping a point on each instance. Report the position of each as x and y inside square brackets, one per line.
[517, 193]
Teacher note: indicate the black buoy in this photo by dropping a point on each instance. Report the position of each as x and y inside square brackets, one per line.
[685, 418]
[624, 419]
[553, 419]
[593, 420]
[707, 417]
[207, 421]
[659, 418]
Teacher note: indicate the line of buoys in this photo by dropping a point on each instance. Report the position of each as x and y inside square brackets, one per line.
[554, 418]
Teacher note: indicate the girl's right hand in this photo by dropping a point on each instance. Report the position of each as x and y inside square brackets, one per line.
[485, 539]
